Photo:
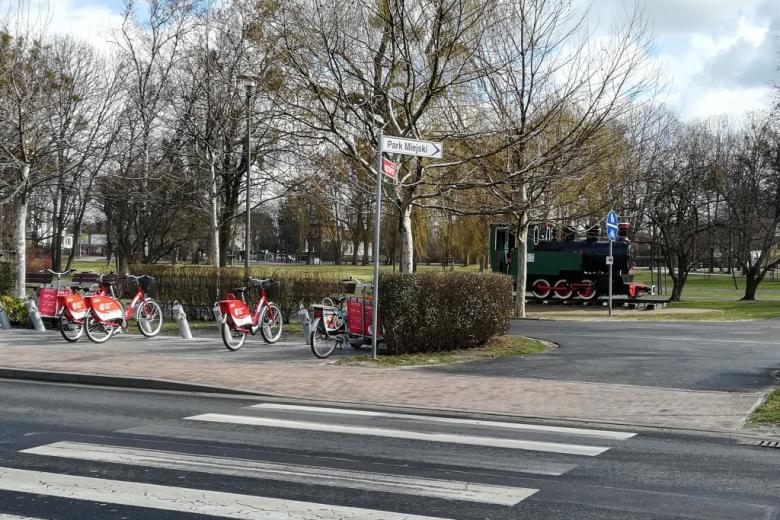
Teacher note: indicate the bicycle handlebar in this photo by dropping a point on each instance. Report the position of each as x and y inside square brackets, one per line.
[134, 277]
[55, 273]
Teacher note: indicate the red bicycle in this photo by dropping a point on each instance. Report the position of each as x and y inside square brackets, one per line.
[106, 315]
[65, 305]
[237, 320]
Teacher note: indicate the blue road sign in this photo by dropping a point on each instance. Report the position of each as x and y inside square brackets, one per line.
[612, 226]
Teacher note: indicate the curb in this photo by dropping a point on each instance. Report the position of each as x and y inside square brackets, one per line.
[116, 381]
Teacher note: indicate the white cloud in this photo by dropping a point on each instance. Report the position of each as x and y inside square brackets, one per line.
[718, 56]
[90, 21]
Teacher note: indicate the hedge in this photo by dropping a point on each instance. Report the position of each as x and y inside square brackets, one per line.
[432, 312]
[198, 287]
[7, 277]
[427, 312]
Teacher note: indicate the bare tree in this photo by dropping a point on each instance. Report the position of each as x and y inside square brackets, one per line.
[546, 108]
[82, 127]
[678, 197]
[25, 105]
[356, 66]
[751, 190]
[150, 44]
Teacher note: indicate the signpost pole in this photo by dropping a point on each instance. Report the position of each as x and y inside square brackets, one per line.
[612, 235]
[377, 227]
[610, 279]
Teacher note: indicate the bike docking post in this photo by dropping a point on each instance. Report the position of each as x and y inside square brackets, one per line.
[306, 329]
[181, 318]
[35, 316]
[5, 323]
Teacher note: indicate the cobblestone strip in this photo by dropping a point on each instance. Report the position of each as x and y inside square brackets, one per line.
[605, 403]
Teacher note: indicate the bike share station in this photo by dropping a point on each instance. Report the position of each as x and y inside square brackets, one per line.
[327, 327]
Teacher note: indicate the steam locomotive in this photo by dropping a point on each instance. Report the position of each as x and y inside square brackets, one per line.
[562, 267]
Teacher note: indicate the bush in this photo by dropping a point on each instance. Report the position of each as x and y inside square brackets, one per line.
[198, 287]
[7, 277]
[432, 312]
[14, 308]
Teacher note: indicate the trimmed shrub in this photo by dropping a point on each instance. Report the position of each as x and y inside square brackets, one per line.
[15, 309]
[432, 312]
[198, 287]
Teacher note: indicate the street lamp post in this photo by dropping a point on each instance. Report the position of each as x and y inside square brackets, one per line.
[248, 81]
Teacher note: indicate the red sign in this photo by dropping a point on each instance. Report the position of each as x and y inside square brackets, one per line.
[388, 168]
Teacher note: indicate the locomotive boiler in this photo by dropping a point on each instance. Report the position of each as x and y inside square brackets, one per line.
[561, 266]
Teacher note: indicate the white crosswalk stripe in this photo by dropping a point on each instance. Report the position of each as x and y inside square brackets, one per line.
[183, 500]
[472, 440]
[446, 489]
[463, 464]
[604, 434]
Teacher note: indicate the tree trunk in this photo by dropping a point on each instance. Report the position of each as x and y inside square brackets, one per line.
[355, 245]
[214, 215]
[20, 235]
[407, 240]
[752, 281]
[520, 257]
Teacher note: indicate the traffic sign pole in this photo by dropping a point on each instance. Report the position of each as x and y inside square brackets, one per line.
[612, 233]
[377, 227]
[610, 280]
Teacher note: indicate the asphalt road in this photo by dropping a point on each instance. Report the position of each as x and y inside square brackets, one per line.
[93, 453]
[734, 356]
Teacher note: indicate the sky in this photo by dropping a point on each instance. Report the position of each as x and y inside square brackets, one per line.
[716, 56]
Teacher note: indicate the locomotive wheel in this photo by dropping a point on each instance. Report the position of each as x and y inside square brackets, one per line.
[541, 288]
[562, 290]
[587, 293]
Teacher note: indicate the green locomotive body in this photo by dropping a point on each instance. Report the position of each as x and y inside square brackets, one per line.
[566, 268]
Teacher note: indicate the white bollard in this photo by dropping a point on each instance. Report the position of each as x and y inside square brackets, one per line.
[181, 318]
[217, 313]
[303, 314]
[5, 323]
[35, 316]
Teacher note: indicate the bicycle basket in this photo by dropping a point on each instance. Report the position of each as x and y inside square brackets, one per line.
[148, 285]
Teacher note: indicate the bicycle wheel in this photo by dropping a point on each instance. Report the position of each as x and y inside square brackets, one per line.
[271, 323]
[97, 331]
[322, 343]
[149, 318]
[233, 339]
[70, 330]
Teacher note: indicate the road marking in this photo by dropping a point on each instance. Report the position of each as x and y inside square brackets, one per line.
[460, 463]
[446, 489]
[472, 440]
[12, 517]
[605, 434]
[183, 500]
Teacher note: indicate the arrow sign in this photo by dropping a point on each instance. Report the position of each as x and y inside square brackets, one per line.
[412, 147]
[612, 226]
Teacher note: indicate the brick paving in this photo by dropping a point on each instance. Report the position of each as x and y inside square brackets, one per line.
[290, 370]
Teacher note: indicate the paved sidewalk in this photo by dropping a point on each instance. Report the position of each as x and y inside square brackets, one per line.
[290, 370]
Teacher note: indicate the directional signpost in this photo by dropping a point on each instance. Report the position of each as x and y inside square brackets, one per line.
[412, 147]
[612, 234]
[402, 146]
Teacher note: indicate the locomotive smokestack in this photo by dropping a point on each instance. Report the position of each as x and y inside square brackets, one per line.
[623, 228]
[592, 233]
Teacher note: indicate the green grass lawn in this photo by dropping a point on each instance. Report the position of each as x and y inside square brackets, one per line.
[769, 412]
[360, 271]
